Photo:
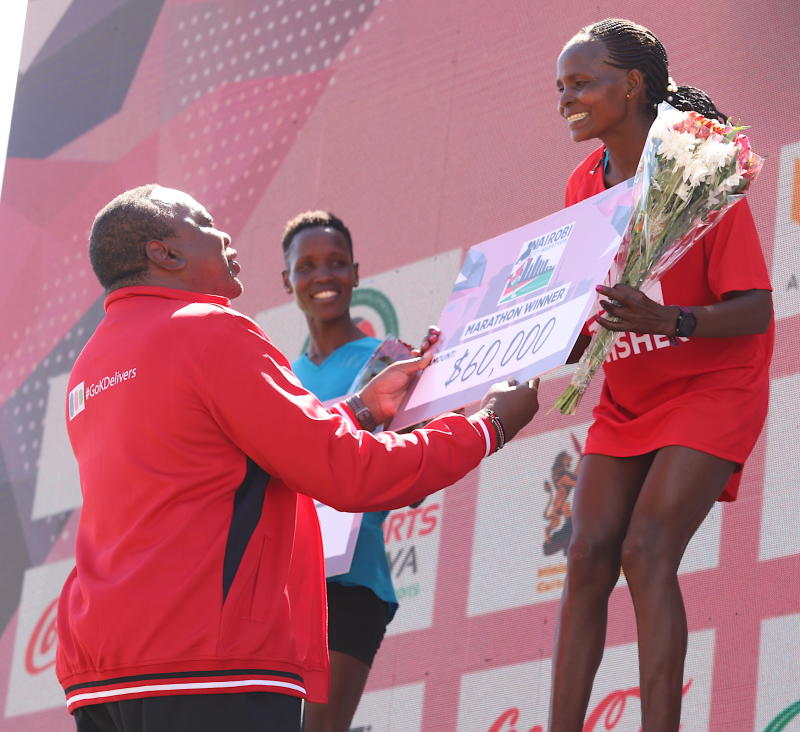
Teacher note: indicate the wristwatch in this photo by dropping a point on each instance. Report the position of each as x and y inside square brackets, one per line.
[362, 413]
[686, 324]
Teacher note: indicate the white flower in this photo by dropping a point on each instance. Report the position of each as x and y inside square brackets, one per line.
[715, 154]
[732, 182]
[677, 146]
[695, 172]
[667, 118]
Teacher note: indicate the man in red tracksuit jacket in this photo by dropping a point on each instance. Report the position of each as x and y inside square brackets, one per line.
[198, 597]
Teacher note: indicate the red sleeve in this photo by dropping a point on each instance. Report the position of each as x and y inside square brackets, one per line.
[264, 410]
[586, 329]
[734, 255]
[575, 184]
[569, 195]
[586, 179]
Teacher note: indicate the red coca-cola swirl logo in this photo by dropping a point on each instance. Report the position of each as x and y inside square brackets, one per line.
[612, 707]
[506, 721]
[41, 651]
[605, 716]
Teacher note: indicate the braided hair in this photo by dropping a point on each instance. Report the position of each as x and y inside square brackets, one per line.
[632, 46]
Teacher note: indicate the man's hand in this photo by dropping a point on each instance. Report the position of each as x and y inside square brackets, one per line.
[384, 392]
[430, 339]
[514, 403]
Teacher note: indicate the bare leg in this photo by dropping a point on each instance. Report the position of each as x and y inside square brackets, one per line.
[677, 495]
[605, 495]
[348, 679]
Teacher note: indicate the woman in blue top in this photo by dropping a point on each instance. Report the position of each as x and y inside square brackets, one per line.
[321, 273]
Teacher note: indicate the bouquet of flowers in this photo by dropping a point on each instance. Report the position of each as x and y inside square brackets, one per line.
[692, 170]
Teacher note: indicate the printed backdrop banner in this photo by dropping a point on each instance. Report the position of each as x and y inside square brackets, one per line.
[427, 127]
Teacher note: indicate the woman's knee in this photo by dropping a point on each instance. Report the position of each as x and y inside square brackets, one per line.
[647, 559]
[593, 561]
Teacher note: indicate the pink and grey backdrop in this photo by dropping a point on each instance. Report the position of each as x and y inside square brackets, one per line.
[427, 126]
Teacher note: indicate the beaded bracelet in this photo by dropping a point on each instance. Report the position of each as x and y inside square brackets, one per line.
[497, 425]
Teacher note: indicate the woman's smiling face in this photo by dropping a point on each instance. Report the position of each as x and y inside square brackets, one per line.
[321, 272]
[592, 93]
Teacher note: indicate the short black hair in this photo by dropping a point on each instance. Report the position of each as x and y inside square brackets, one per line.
[632, 46]
[311, 220]
[119, 234]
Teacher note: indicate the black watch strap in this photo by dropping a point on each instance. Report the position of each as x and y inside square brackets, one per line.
[362, 413]
[686, 324]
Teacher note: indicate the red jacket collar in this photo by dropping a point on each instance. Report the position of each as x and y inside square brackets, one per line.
[165, 292]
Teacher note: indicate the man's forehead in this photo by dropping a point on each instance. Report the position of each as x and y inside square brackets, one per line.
[177, 199]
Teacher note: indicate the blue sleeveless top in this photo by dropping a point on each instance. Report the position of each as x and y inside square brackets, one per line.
[329, 380]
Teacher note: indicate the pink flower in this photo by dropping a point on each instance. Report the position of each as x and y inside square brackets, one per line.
[741, 141]
[744, 155]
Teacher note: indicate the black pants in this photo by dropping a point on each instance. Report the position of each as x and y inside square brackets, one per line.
[248, 712]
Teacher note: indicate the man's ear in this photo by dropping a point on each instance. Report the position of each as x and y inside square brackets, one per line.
[355, 268]
[286, 284]
[164, 256]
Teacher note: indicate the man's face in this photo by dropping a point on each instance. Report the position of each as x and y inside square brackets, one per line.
[210, 261]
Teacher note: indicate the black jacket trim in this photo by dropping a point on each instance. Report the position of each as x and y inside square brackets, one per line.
[247, 504]
[187, 675]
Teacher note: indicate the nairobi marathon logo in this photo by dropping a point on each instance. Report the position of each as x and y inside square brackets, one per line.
[81, 393]
[536, 263]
